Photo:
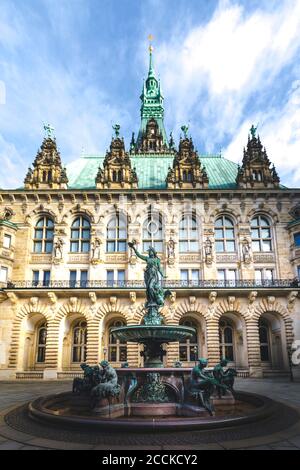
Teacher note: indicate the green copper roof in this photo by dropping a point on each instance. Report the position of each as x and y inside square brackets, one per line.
[152, 170]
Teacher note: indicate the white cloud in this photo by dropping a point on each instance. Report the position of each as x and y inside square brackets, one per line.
[210, 72]
[280, 134]
[41, 87]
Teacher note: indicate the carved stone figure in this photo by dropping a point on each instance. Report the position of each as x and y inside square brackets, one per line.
[58, 254]
[208, 250]
[96, 250]
[246, 251]
[171, 248]
[108, 383]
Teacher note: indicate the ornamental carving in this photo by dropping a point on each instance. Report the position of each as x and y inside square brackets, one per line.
[264, 258]
[47, 172]
[117, 172]
[255, 171]
[226, 258]
[187, 172]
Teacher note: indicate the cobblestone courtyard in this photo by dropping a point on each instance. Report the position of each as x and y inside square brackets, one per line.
[13, 394]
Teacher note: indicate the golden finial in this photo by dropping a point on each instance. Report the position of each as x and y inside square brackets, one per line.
[150, 39]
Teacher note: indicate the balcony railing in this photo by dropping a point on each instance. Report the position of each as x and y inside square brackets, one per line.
[168, 284]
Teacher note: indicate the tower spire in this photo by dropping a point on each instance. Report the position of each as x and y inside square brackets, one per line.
[152, 113]
[151, 68]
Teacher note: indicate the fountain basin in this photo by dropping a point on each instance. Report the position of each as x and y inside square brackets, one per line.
[152, 337]
[160, 334]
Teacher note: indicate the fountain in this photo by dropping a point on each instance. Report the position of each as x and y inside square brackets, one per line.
[152, 334]
[152, 397]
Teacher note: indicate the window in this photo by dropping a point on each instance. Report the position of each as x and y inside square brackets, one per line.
[226, 340]
[80, 235]
[45, 278]
[79, 341]
[82, 275]
[153, 233]
[190, 277]
[6, 241]
[115, 277]
[43, 235]
[35, 278]
[83, 278]
[117, 350]
[73, 279]
[228, 276]
[261, 234]
[224, 235]
[297, 239]
[41, 343]
[188, 348]
[264, 276]
[264, 340]
[298, 272]
[116, 235]
[3, 274]
[188, 234]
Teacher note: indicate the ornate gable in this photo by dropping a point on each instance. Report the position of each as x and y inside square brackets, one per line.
[255, 171]
[47, 172]
[117, 172]
[151, 140]
[187, 172]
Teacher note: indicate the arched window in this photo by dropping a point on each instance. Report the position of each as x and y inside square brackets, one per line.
[188, 234]
[117, 351]
[153, 233]
[80, 235]
[226, 336]
[43, 235]
[261, 234]
[188, 348]
[116, 234]
[41, 343]
[264, 341]
[224, 235]
[79, 341]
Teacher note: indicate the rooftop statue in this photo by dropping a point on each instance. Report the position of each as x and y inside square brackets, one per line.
[49, 131]
[117, 128]
[253, 131]
[154, 291]
[185, 131]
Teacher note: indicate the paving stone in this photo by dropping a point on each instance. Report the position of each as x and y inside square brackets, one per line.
[295, 441]
[32, 448]
[257, 448]
[10, 445]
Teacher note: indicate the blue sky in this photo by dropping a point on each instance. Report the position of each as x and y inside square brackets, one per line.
[79, 65]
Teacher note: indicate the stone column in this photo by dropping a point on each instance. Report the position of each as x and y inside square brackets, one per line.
[93, 342]
[52, 348]
[212, 341]
[253, 346]
[172, 353]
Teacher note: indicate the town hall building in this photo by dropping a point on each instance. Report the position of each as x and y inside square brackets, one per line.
[228, 237]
